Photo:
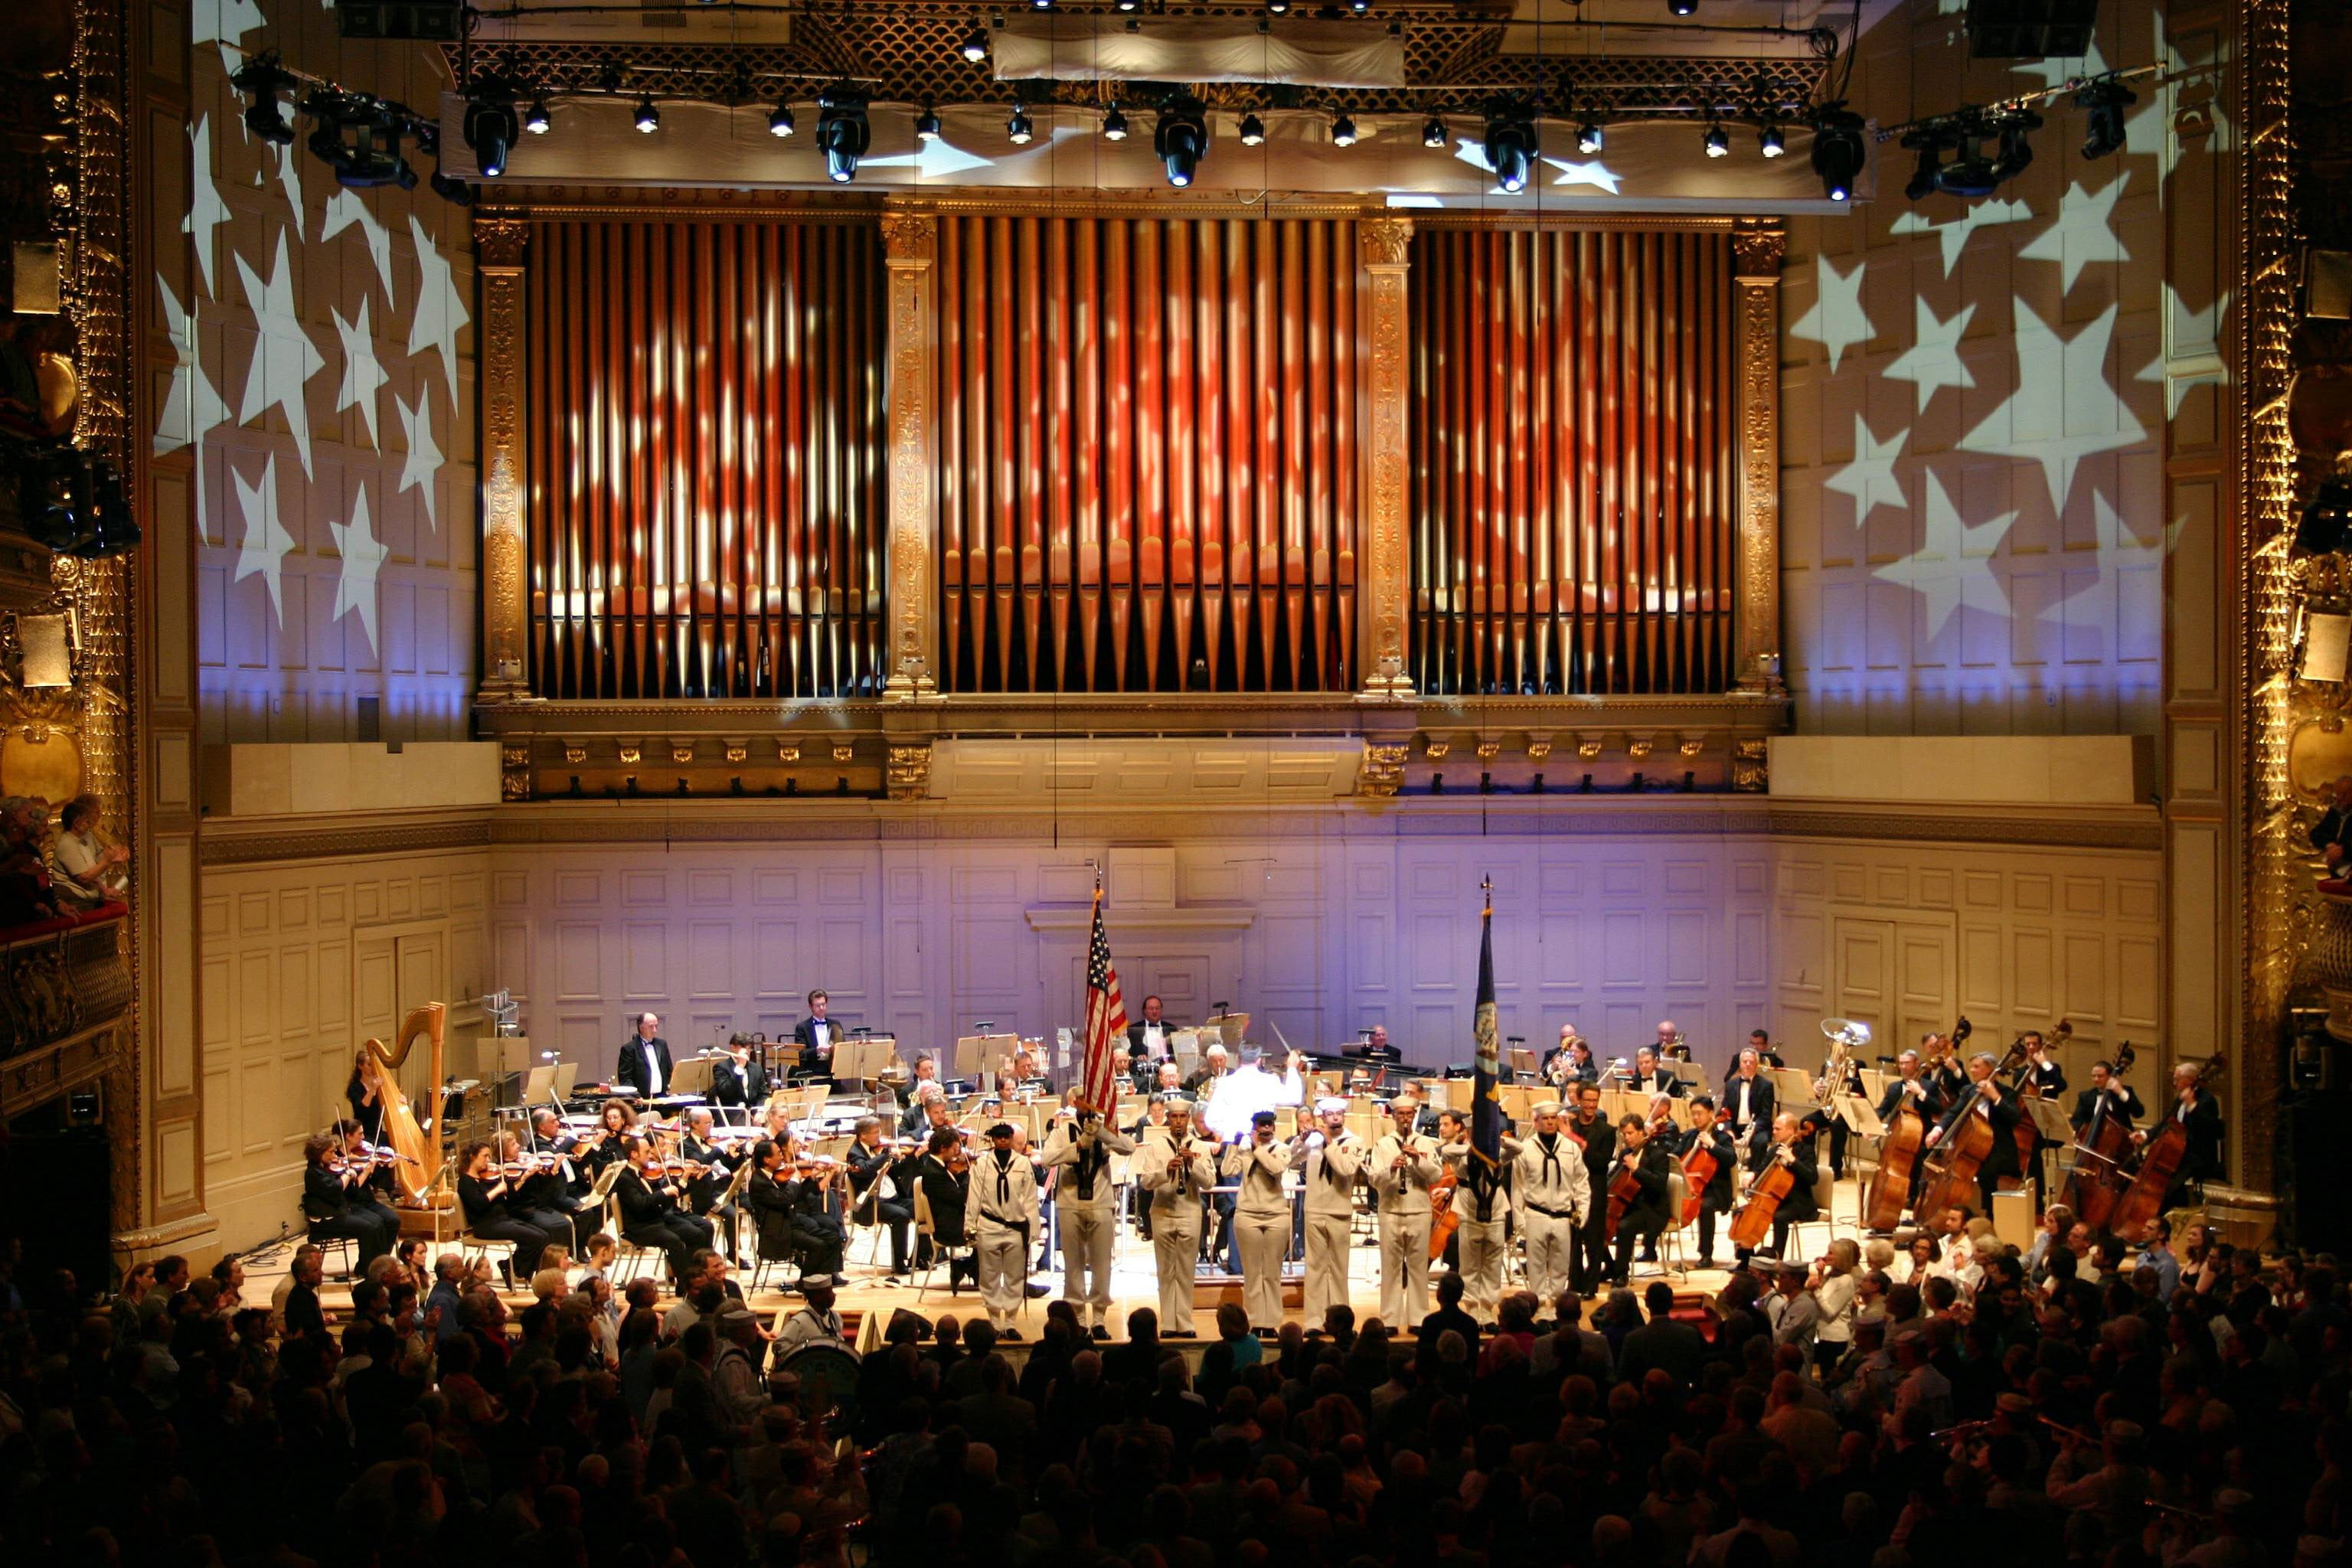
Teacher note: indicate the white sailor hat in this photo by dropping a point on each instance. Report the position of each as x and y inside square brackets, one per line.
[1330, 1103]
[1544, 1107]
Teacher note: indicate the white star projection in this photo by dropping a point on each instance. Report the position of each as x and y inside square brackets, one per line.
[347, 209]
[1836, 321]
[422, 463]
[191, 407]
[266, 542]
[206, 210]
[284, 358]
[225, 23]
[1933, 360]
[1952, 554]
[2080, 213]
[364, 555]
[289, 177]
[1953, 236]
[2057, 380]
[1595, 173]
[440, 311]
[1873, 459]
[363, 377]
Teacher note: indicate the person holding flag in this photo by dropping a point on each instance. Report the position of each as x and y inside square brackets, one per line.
[1478, 1152]
[1085, 1197]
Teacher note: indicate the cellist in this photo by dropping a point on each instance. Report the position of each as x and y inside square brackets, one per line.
[1916, 1089]
[2196, 1109]
[2110, 1094]
[1790, 1148]
[1989, 1100]
[1652, 1167]
[1709, 1132]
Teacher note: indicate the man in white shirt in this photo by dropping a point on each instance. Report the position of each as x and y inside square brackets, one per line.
[1173, 1164]
[1402, 1168]
[1330, 1158]
[645, 1059]
[1261, 1219]
[1004, 1208]
[815, 1035]
[1554, 1194]
[1087, 1201]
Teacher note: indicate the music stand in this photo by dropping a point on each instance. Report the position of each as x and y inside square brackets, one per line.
[1860, 1114]
[1791, 1087]
[539, 1085]
[692, 1076]
[567, 1074]
[1522, 1061]
[975, 1052]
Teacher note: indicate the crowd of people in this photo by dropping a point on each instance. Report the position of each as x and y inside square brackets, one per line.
[2085, 1401]
[50, 870]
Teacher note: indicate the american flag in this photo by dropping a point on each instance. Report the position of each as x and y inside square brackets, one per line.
[1106, 1025]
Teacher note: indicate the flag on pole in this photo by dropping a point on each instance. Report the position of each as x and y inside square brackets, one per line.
[1106, 1024]
[1486, 1107]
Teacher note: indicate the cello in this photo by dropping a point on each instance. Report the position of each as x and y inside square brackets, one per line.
[2159, 1165]
[1952, 1167]
[1700, 1165]
[2095, 1182]
[1772, 1182]
[1898, 1156]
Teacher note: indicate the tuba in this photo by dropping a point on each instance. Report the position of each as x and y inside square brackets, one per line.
[419, 1165]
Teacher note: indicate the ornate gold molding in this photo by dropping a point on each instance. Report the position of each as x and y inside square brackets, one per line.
[1383, 768]
[501, 244]
[1757, 250]
[1387, 246]
[910, 245]
[908, 774]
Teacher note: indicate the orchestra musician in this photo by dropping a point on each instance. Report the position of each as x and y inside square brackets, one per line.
[1087, 1200]
[1670, 1046]
[881, 1185]
[917, 1121]
[1482, 1203]
[1149, 1037]
[536, 1195]
[1328, 1158]
[1997, 1107]
[1571, 1062]
[650, 1212]
[1402, 1168]
[375, 1184]
[1376, 1048]
[1216, 1063]
[739, 1080]
[1651, 1075]
[815, 1035]
[704, 1187]
[2109, 1092]
[1653, 1167]
[484, 1199]
[944, 1174]
[1747, 1095]
[1592, 1130]
[818, 1233]
[1166, 1079]
[1261, 1218]
[1004, 1214]
[566, 1195]
[1175, 1166]
[1851, 1084]
[644, 1067]
[2195, 1107]
[1792, 1148]
[1760, 1042]
[1555, 1194]
[365, 1092]
[770, 1203]
[1707, 1129]
[602, 1147]
[337, 1202]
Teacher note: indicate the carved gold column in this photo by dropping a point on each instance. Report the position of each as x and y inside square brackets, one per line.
[1757, 251]
[501, 245]
[909, 247]
[1380, 587]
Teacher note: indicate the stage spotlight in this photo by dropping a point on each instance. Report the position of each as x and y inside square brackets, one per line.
[450, 189]
[263, 78]
[1017, 129]
[1359, 7]
[2106, 101]
[926, 124]
[1041, 4]
[781, 122]
[1925, 179]
[2016, 152]
[843, 133]
[648, 118]
[1589, 138]
[489, 131]
[1682, 7]
[975, 44]
[1433, 133]
[1771, 141]
[1510, 144]
[1115, 125]
[1343, 130]
[1838, 152]
[1277, 8]
[535, 118]
[1252, 131]
[1717, 142]
[1130, 5]
[1181, 138]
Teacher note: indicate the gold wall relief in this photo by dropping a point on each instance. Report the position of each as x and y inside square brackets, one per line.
[501, 244]
[1387, 246]
[1757, 253]
[910, 248]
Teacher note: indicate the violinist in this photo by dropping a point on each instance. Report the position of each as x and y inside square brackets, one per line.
[1083, 1146]
[815, 1232]
[1598, 1140]
[367, 1165]
[1987, 1098]
[768, 1196]
[486, 1199]
[336, 1205]
[710, 1169]
[2109, 1093]
[881, 1183]
[1554, 1192]
[651, 1213]
[1645, 1216]
[1175, 1166]
[1789, 1147]
[536, 1195]
[1708, 1130]
[944, 1172]
[602, 1147]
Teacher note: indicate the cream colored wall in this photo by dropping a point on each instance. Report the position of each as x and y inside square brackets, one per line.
[300, 960]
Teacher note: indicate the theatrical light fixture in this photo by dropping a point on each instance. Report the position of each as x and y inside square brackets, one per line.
[1359, 7]
[1771, 141]
[1041, 4]
[1510, 144]
[648, 118]
[1114, 126]
[1924, 178]
[1017, 129]
[1277, 8]
[1252, 131]
[450, 189]
[1682, 7]
[2016, 152]
[926, 123]
[262, 78]
[1129, 5]
[1838, 152]
[781, 122]
[490, 129]
[360, 138]
[1589, 138]
[1343, 130]
[535, 118]
[1181, 138]
[1432, 133]
[975, 44]
[2106, 101]
[842, 131]
[1717, 142]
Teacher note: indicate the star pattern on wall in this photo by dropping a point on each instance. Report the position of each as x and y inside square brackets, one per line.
[265, 543]
[440, 312]
[422, 466]
[349, 209]
[2080, 213]
[224, 22]
[284, 358]
[289, 180]
[1953, 236]
[1953, 554]
[191, 406]
[1595, 173]
[1873, 459]
[2082, 365]
[363, 556]
[1835, 320]
[363, 377]
[1933, 360]
[206, 210]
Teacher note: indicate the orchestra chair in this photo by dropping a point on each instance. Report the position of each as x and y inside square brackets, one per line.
[1673, 1257]
[873, 1227]
[347, 1244]
[1824, 1195]
[632, 1260]
[792, 1256]
[926, 1234]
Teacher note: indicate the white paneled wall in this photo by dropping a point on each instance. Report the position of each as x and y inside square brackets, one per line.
[1322, 930]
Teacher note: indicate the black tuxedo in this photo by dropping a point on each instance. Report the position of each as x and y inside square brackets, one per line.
[2203, 1161]
[1646, 1215]
[335, 1211]
[749, 1088]
[2049, 1078]
[1760, 1101]
[633, 1074]
[2003, 1113]
[2123, 1105]
[1929, 1106]
[1661, 1080]
[1589, 1263]
[866, 1169]
[817, 1060]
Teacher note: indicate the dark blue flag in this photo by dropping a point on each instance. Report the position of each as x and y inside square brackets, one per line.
[1486, 1107]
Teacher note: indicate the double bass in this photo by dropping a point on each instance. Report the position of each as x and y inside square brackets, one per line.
[2095, 1181]
[1898, 1156]
[2159, 1165]
[2029, 1087]
[1952, 1168]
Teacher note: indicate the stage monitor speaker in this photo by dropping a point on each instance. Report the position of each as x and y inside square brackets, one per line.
[2030, 30]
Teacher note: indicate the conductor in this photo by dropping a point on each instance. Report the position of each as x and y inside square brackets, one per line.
[645, 1059]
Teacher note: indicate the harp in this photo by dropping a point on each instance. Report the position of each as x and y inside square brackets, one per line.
[419, 1146]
